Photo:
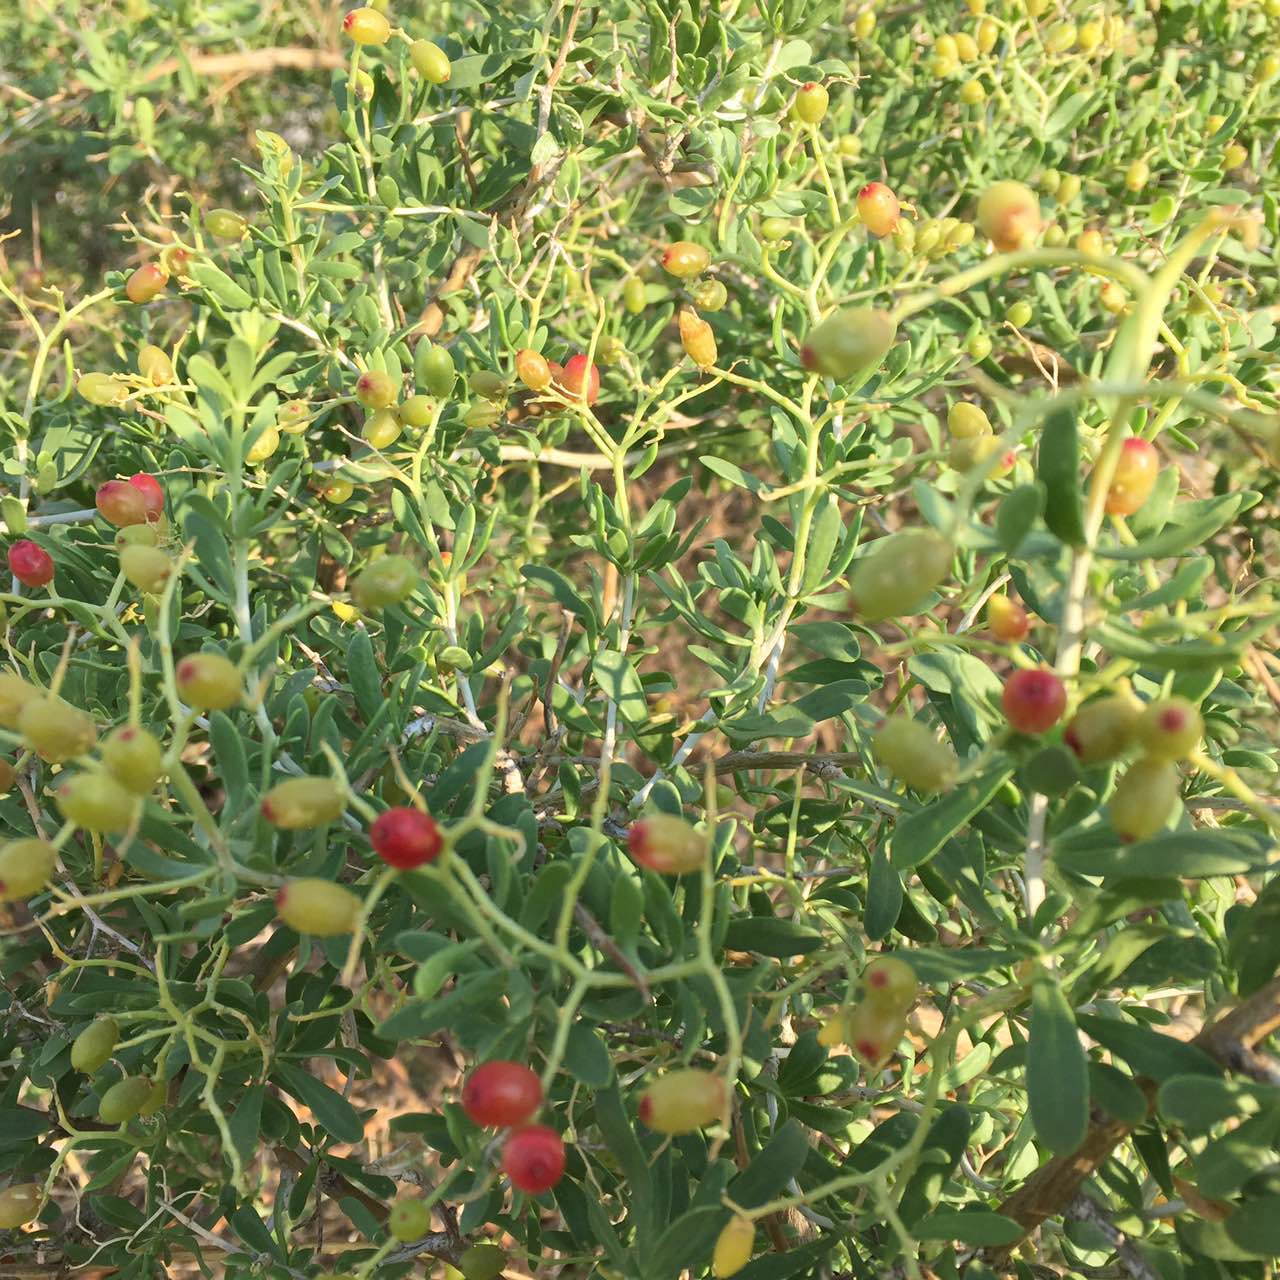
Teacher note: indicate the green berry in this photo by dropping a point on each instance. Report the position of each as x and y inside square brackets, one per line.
[56, 730]
[19, 1204]
[93, 1047]
[96, 802]
[430, 61]
[410, 1219]
[682, 1101]
[124, 1099]
[390, 580]
[667, 844]
[133, 757]
[1170, 729]
[208, 682]
[899, 574]
[433, 368]
[911, 752]
[1145, 799]
[317, 907]
[849, 342]
[26, 866]
[147, 568]
[302, 803]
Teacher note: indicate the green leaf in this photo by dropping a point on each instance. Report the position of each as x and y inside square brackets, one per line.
[918, 836]
[1255, 1226]
[1190, 855]
[977, 1227]
[884, 896]
[1057, 1070]
[1017, 514]
[771, 936]
[228, 749]
[687, 1242]
[1197, 1104]
[334, 1115]
[1196, 523]
[362, 669]
[1058, 471]
[782, 1157]
[1148, 1052]
[216, 282]
[587, 1057]
[619, 1134]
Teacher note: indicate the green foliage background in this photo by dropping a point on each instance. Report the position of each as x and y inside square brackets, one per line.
[646, 607]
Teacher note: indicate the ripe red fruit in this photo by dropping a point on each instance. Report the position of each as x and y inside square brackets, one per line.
[30, 564]
[879, 209]
[534, 1159]
[1134, 477]
[501, 1094]
[578, 375]
[146, 282]
[1034, 700]
[121, 503]
[152, 493]
[405, 838]
[667, 844]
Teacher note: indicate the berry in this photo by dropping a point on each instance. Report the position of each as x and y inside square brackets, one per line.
[367, 26]
[1034, 700]
[965, 421]
[978, 347]
[879, 209]
[487, 383]
[696, 337]
[208, 681]
[684, 259]
[1113, 298]
[899, 574]
[1145, 799]
[430, 61]
[890, 983]
[124, 1099]
[1090, 35]
[30, 564]
[409, 1219]
[157, 1098]
[176, 261]
[152, 493]
[120, 503]
[968, 455]
[775, 229]
[133, 757]
[811, 103]
[147, 568]
[338, 489]
[293, 417]
[849, 342]
[225, 224]
[864, 24]
[1007, 619]
[973, 93]
[874, 1031]
[1137, 175]
[56, 730]
[1134, 477]
[682, 1101]
[501, 1095]
[302, 803]
[709, 295]
[1233, 156]
[93, 1047]
[101, 389]
[533, 1159]
[376, 390]
[667, 844]
[579, 379]
[966, 46]
[1019, 315]
[1090, 242]
[1104, 728]
[532, 369]
[482, 1262]
[433, 368]
[733, 1247]
[986, 33]
[406, 838]
[265, 443]
[1068, 188]
[1170, 729]
[148, 281]
[1009, 215]
[96, 802]
[154, 365]
[416, 412]
[15, 693]
[909, 750]
[318, 907]
[19, 1204]
[945, 47]
[381, 428]
[26, 866]
[633, 295]
[390, 580]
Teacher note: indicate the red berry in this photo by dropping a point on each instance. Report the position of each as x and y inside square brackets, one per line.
[152, 493]
[405, 838]
[500, 1095]
[30, 564]
[146, 282]
[579, 378]
[879, 209]
[1134, 477]
[534, 1159]
[121, 503]
[1034, 700]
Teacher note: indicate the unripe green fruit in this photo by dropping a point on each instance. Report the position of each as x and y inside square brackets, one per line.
[1009, 215]
[138, 535]
[146, 283]
[909, 750]
[733, 1247]
[15, 693]
[96, 802]
[1019, 315]
[968, 455]
[156, 1099]
[890, 983]
[367, 26]
[93, 1047]
[1145, 799]
[965, 421]
[486, 383]
[381, 428]
[101, 389]
[155, 365]
[682, 1101]
[879, 210]
[864, 24]
[849, 342]
[416, 412]
[1233, 156]
[19, 1204]
[148, 568]
[133, 757]
[433, 368]
[1068, 188]
[430, 61]
[376, 389]
[208, 682]
[482, 414]
[225, 224]
[874, 1031]
[387, 581]
[899, 574]
[263, 447]
[302, 803]
[633, 295]
[482, 1262]
[972, 93]
[26, 866]
[710, 295]
[774, 229]
[317, 907]
[667, 844]
[410, 1219]
[293, 417]
[1170, 729]
[978, 347]
[1137, 175]
[811, 103]
[124, 1099]
[56, 730]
